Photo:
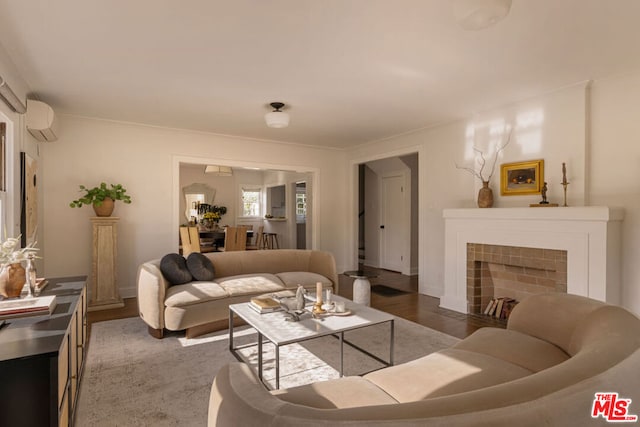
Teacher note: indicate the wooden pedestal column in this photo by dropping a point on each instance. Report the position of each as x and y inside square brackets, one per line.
[103, 286]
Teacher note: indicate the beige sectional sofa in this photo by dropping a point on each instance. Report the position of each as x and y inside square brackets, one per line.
[558, 351]
[238, 277]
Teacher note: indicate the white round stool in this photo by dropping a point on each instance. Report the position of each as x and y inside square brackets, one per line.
[361, 286]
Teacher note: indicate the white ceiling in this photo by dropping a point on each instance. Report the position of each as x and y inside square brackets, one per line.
[350, 71]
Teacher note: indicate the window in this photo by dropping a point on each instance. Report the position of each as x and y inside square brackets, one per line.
[301, 204]
[251, 201]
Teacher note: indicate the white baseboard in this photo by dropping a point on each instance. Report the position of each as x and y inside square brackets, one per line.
[454, 303]
[370, 263]
[128, 292]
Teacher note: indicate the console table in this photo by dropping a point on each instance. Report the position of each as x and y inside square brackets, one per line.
[42, 359]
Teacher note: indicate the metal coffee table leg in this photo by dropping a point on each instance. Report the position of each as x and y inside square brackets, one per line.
[260, 356]
[277, 367]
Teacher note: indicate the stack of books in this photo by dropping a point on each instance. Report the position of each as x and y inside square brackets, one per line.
[500, 307]
[264, 304]
[38, 306]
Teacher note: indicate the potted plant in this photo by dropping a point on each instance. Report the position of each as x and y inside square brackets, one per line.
[102, 198]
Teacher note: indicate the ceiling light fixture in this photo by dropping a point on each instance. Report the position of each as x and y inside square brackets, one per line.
[277, 118]
[218, 170]
[479, 14]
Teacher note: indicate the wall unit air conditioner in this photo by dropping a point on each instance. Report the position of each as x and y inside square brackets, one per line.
[41, 121]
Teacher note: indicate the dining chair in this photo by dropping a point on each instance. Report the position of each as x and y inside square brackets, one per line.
[249, 228]
[259, 240]
[190, 239]
[235, 239]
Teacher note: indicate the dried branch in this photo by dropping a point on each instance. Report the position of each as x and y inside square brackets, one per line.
[482, 161]
[470, 170]
[498, 151]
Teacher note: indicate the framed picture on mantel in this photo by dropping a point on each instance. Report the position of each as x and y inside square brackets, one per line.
[521, 178]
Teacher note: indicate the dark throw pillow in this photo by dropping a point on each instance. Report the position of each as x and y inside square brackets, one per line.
[200, 267]
[174, 269]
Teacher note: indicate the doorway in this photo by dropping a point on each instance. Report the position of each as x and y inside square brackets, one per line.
[393, 226]
[388, 213]
[300, 205]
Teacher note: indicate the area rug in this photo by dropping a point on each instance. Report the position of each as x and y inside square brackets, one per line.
[132, 379]
[387, 291]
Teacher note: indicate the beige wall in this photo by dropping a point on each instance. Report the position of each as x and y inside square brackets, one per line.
[142, 158]
[595, 130]
[614, 166]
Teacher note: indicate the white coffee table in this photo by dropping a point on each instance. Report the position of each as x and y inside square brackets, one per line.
[274, 328]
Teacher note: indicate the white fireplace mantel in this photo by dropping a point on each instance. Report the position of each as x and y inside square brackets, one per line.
[591, 235]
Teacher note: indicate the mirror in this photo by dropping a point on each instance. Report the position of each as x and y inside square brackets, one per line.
[195, 194]
[276, 201]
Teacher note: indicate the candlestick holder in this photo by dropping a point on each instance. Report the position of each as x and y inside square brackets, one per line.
[565, 184]
[317, 308]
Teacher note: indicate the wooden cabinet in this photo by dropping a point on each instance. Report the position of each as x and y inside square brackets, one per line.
[42, 359]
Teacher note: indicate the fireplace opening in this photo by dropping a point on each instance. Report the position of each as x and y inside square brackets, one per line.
[512, 273]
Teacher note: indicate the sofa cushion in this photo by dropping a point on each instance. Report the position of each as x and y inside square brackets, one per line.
[292, 279]
[200, 267]
[193, 293]
[514, 347]
[250, 284]
[346, 392]
[444, 373]
[174, 269]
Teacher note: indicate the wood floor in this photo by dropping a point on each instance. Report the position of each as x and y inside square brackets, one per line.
[411, 305]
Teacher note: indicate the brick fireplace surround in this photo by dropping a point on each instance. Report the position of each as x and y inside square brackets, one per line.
[495, 271]
[587, 238]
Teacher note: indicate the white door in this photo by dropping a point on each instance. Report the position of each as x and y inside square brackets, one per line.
[392, 228]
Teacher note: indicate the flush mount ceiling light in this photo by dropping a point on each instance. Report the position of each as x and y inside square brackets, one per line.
[479, 14]
[218, 170]
[277, 118]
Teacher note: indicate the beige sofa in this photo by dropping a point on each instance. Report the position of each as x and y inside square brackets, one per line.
[558, 351]
[238, 277]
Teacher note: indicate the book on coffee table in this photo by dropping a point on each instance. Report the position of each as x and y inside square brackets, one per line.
[264, 304]
[24, 307]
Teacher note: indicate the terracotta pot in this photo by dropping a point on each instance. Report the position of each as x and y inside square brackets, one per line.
[12, 279]
[485, 196]
[106, 208]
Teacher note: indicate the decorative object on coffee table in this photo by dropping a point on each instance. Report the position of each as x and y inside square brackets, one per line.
[102, 198]
[485, 194]
[317, 307]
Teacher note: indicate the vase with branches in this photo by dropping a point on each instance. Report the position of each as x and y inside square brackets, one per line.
[485, 195]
